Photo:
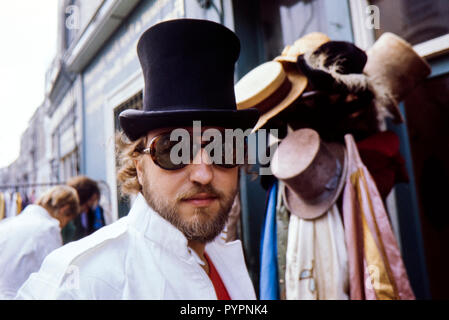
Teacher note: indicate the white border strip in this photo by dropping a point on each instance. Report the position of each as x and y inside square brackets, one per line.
[434, 47]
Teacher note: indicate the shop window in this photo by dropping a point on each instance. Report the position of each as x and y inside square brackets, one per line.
[266, 27]
[69, 165]
[286, 21]
[135, 102]
[416, 21]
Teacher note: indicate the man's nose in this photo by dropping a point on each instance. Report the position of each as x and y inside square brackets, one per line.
[201, 170]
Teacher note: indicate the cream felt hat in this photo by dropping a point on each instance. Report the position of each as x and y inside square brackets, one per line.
[313, 171]
[270, 88]
[308, 43]
[393, 70]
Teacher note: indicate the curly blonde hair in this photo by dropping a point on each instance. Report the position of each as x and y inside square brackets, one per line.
[127, 152]
[58, 197]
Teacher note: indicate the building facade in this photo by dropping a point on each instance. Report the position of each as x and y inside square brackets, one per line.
[32, 167]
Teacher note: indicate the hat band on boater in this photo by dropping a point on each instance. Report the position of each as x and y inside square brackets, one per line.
[276, 97]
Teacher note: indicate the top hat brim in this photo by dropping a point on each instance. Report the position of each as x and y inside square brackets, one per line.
[299, 84]
[137, 123]
[309, 211]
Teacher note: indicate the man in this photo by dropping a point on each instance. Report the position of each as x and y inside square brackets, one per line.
[91, 217]
[26, 239]
[168, 247]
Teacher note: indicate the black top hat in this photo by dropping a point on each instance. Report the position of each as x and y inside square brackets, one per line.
[188, 69]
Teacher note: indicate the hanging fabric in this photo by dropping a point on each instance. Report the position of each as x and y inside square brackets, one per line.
[2, 205]
[98, 218]
[25, 200]
[268, 258]
[317, 264]
[33, 196]
[300, 272]
[375, 263]
[12, 211]
[19, 203]
[331, 257]
[380, 155]
[282, 220]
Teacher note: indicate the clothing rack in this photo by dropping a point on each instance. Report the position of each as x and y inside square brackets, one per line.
[29, 185]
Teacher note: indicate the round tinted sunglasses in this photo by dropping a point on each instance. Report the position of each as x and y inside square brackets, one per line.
[171, 154]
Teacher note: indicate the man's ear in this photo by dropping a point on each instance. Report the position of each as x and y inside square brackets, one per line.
[137, 163]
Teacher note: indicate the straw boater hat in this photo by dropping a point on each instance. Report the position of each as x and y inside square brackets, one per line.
[270, 88]
[275, 85]
[313, 172]
[393, 69]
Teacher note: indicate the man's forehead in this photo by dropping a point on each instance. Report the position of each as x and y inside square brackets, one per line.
[158, 131]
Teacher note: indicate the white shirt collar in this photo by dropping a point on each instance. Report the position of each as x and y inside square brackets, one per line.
[155, 228]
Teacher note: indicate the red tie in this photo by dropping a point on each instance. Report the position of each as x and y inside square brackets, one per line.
[220, 289]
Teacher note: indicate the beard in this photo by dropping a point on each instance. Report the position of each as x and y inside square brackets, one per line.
[204, 225]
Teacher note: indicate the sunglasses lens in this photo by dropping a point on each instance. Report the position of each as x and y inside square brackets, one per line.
[224, 152]
[229, 154]
[163, 153]
[233, 153]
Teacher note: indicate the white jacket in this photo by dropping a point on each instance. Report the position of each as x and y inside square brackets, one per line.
[141, 256]
[25, 240]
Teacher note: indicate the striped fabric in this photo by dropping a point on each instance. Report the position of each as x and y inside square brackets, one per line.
[376, 268]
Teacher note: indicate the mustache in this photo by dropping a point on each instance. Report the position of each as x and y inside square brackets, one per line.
[209, 189]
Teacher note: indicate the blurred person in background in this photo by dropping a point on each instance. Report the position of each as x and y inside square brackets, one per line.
[91, 217]
[26, 239]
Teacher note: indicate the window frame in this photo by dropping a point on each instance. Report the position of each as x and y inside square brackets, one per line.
[365, 38]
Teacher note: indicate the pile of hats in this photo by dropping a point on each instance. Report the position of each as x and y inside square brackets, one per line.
[333, 86]
[322, 90]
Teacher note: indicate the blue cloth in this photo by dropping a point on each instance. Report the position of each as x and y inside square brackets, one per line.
[269, 285]
[83, 217]
[98, 221]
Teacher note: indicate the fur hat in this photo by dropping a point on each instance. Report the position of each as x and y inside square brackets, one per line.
[335, 66]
